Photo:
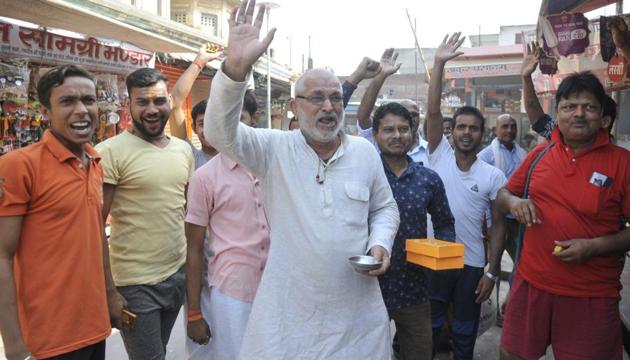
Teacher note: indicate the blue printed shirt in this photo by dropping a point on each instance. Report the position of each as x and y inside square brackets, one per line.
[416, 191]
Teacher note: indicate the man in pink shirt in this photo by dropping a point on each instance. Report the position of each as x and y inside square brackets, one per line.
[225, 199]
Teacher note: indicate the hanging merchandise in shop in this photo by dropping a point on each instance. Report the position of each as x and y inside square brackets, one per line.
[564, 34]
[19, 123]
[27, 52]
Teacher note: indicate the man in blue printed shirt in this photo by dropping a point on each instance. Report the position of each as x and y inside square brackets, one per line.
[416, 190]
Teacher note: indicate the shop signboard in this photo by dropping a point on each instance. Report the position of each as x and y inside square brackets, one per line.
[53, 47]
[486, 70]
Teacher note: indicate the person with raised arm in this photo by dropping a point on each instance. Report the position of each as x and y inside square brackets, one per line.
[177, 121]
[471, 187]
[310, 303]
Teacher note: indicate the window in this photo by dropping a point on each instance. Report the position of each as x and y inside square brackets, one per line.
[180, 17]
[209, 21]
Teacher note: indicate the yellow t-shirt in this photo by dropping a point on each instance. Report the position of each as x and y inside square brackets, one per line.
[147, 243]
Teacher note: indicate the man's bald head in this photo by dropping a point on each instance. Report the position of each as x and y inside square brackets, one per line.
[319, 74]
[414, 110]
[506, 129]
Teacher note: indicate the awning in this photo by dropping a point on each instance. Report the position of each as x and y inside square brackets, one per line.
[78, 17]
[114, 20]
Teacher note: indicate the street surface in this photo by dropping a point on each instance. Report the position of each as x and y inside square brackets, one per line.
[487, 347]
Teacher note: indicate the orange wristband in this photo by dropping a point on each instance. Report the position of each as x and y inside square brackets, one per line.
[198, 65]
[196, 317]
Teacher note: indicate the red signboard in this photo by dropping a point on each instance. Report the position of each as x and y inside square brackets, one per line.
[616, 68]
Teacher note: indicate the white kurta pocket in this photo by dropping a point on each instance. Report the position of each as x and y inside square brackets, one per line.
[355, 207]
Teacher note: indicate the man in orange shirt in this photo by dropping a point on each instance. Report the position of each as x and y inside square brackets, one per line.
[53, 300]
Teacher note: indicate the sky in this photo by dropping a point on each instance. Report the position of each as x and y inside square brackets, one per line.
[344, 31]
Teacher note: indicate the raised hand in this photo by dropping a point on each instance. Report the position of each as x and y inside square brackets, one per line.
[448, 48]
[205, 54]
[244, 45]
[531, 55]
[368, 68]
[388, 63]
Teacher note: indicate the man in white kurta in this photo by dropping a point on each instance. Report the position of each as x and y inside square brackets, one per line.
[311, 303]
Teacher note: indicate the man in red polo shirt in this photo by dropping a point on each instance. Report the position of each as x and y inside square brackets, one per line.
[52, 284]
[566, 289]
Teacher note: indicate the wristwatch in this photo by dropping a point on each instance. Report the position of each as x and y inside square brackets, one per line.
[494, 278]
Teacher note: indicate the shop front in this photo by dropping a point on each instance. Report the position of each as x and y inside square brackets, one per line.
[487, 78]
[27, 51]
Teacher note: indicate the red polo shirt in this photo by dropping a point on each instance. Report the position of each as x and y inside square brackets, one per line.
[572, 207]
[58, 266]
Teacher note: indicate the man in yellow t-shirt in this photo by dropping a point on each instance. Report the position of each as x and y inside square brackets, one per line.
[145, 178]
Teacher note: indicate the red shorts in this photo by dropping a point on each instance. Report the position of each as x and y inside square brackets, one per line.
[576, 328]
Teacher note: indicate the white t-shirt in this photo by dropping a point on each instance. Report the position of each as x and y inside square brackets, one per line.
[469, 195]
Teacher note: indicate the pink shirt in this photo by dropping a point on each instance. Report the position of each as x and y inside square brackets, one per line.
[224, 197]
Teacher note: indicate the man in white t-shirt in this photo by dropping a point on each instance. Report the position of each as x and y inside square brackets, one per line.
[471, 187]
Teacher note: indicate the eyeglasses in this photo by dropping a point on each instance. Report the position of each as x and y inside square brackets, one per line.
[335, 99]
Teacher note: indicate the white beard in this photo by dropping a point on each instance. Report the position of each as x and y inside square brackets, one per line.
[310, 130]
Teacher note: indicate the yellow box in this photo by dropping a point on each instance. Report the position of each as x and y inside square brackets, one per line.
[456, 262]
[434, 248]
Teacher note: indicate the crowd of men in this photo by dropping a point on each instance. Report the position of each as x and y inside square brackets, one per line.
[251, 234]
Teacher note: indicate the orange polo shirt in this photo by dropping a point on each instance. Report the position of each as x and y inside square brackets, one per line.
[58, 266]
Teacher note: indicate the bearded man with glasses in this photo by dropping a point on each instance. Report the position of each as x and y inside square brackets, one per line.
[310, 302]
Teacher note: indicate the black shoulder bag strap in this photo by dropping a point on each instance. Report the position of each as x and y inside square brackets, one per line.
[520, 238]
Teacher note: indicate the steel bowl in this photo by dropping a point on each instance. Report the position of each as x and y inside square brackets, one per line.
[365, 262]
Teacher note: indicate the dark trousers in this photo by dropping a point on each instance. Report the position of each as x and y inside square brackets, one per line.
[156, 307]
[456, 287]
[413, 329]
[91, 352]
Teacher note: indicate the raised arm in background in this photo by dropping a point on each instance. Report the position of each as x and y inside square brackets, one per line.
[184, 84]
[531, 55]
[445, 52]
[388, 67]
[367, 69]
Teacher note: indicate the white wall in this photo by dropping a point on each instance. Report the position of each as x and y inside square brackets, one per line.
[507, 34]
[155, 7]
